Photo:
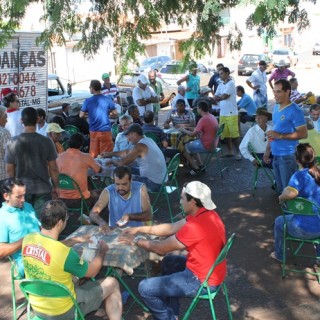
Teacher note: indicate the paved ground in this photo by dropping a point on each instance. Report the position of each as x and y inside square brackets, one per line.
[256, 288]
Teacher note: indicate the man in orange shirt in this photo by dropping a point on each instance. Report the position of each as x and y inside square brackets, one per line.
[75, 164]
[54, 133]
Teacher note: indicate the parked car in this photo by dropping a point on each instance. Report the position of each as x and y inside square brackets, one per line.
[153, 63]
[316, 48]
[289, 56]
[173, 71]
[127, 82]
[249, 63]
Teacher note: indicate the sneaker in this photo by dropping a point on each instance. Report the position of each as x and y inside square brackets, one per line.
[273, 256]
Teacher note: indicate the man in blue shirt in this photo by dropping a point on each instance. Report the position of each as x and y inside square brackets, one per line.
[17, 219]
[289, 126]
[246, 103]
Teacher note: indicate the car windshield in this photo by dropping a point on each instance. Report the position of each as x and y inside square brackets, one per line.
[171, 69]
[251, 57]
[281, 52]
[148, 61]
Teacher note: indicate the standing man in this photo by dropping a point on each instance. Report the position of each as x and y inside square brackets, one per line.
[5, 136]
[215, 79]
[258, 82]
[143, 95]
[31, 157]
[41, 123]
[111, 90]
[226, 97]
[193, 84]
[289, 127]
[17, 218]
[201, 233]
[181, 94]
[98, 108]
[59, 263]
[282, 72]
[128, 202]
[157, 87]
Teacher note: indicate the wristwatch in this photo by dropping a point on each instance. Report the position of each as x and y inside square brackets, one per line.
[138, 237]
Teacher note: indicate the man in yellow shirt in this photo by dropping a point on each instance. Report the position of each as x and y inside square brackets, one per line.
[44, 257]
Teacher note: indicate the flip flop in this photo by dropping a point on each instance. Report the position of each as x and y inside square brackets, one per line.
[273, 256]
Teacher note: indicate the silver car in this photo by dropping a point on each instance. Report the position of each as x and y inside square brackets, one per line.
[289, 56]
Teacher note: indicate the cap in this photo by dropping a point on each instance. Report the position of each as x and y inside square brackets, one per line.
[105, 76]
[180, 101]
[143, 79]
[135, 127]
[75, 108]
[54, 127]
[5, 91]
[281, 63]
[264, 112]
[200, 191]
[204, 90]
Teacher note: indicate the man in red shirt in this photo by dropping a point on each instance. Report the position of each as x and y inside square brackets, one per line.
[201, 234]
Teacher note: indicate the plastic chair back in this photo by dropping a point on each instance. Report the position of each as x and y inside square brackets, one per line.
[49, 289]
[300, 206]
[114, 130]
[154, 137]
[71, 129]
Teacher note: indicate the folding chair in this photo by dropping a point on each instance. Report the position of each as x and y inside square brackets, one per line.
[114, 130]
[15, 276]
[168, 187]
[154, 137]
[68, 183]
[205, 293]
[65, 145]
[49, 290]
[267, 171]
[303, 207]
[71, 129]
[216, 153]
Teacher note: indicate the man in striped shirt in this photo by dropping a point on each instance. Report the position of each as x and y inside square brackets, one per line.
[282, 72]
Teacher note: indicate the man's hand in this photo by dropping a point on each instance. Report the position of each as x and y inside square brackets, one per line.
[104, 228]
[266, 157]
[123, 221]
[82, 239]
[255, 163]
[132, 231]
[126, 238]
[106, 154]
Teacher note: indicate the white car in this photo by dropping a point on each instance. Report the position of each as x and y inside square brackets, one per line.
[316, 48]
[289, 56]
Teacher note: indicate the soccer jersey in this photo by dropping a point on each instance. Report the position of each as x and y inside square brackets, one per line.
[48, 259]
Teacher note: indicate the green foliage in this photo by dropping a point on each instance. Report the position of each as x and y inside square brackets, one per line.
[127, 22]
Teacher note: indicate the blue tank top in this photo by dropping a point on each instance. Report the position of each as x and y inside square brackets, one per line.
[119, 206]
[194, 84]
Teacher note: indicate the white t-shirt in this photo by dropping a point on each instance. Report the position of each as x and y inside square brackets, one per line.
[139, 93]
[259, 78]
[14, 125]
[228, 107]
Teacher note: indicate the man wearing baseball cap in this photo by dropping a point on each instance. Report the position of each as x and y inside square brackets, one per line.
[201, 234]
[143, 95]
[54, 133]
[110, 89]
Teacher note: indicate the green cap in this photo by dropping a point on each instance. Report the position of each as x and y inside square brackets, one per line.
[105, 76]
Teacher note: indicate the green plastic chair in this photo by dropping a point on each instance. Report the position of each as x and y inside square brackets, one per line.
[169, 187]
[15, 276]
[114, 130]
[216, 154]
[303, 207]
[71, 129]
[68, 183]
[50, 290]
[204, 292]
[154, 137]
[267, 172]
[65, 145]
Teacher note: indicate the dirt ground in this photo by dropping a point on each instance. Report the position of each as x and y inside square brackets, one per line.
[256, 288]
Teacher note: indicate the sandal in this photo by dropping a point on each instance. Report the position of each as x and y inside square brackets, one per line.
[273, 256]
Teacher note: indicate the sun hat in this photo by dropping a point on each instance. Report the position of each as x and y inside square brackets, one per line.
[135, 127]
[54, 127]
[143, 79]
[105, 76]
[264, 112]
[200, 191]
[281, 63]
[204, 90]
[5, 91]
[75, 108]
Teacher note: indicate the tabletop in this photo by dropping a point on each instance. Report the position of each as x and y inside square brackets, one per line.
[119, 255]
[177, 139]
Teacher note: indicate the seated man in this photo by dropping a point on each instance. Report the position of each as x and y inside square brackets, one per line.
[128, 202]
[133, 111]
[121, 142]
[59, 263]
[149, 127]
[246, 103]
[295, 95]
[257, 137]
[313, 137]
[207, 128]
[315, 116]
[74, 119]
[54, 133]
[180, 95]
[17, 218]
[180, 117]
[75, 164]
[152, 165]
[201, 233]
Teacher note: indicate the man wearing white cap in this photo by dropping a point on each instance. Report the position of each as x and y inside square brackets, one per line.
[201, 234]
[282, 72]
[54, 133]
[143, 95]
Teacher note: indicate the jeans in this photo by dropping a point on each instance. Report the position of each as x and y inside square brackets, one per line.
[37, 201]
[294, 231]
[161, 294]
[283, 168]
[151, 186]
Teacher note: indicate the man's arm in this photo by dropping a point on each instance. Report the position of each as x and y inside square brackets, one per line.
[300, 133]
[96, 264]
[185, 78]
[193, 133]
[113, 114]
[11, 170]
[82, 114]
[97, 208]
[54, 174]
[121, 153]
[287, 194]
[138, 151]
[7, 249]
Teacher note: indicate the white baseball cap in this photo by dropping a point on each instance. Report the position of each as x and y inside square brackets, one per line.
[143, 79]
[200, 191]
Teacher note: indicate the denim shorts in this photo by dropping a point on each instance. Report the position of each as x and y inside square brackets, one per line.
[195, 146]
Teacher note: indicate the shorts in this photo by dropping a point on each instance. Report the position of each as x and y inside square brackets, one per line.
[195, 146]
[231, 126]
[100, 142]
[89, 297]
